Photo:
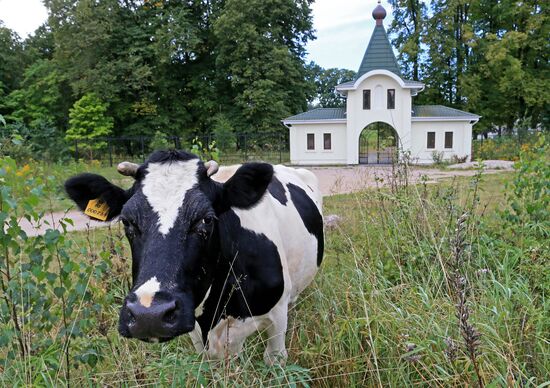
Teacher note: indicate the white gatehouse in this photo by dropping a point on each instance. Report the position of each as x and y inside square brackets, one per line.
[380, 121]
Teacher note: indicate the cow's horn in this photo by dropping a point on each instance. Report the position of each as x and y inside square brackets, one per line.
[127, 168]
[211, 167]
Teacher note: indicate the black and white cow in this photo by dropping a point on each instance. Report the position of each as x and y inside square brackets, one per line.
[219, 259]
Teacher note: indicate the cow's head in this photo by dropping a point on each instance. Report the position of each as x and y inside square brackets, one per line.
[170, 218]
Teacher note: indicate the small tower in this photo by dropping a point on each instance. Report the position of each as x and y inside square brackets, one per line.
[379, 54]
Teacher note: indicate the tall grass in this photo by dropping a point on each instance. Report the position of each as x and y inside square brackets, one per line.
[420, 285]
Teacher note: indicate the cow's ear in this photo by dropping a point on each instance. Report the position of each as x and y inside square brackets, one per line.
[86, 187]
[247, 186]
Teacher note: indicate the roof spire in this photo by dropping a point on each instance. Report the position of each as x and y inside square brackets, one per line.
[379, 14]
[379, 54]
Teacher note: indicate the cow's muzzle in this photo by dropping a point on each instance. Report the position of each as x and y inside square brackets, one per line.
[161, 320]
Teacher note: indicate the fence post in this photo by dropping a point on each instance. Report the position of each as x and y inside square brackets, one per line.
[142, 148]
[280, 149]
[245, 149]
[76, 150]
[110, 152]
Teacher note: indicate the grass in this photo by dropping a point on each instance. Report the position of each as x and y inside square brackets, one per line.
[382, 310]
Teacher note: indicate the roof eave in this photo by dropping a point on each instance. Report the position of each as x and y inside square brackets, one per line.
[326, 121]
[447, 118]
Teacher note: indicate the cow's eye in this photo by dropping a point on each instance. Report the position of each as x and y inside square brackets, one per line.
[207, 220]
[129, 227]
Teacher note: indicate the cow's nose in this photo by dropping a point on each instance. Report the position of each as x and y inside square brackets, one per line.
[154, 321]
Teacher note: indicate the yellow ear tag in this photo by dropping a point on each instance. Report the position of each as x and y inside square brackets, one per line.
[98, 209]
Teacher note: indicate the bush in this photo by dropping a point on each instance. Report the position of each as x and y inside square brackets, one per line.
[503, 148]
[205, 151]
[160, 142]
[46, 285]
[437, 157]
[530, 197]
[41, 141]
[13, 144]
[224, 133]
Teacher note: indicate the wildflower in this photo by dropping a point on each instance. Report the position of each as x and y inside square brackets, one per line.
[409, 347]
[451, 350]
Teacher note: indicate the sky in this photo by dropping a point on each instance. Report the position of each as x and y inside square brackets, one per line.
[343, 27]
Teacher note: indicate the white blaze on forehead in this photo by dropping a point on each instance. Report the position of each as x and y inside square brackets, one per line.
[146, 292]
[165, 186]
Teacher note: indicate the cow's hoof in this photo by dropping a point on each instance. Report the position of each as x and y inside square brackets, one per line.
[275, 358]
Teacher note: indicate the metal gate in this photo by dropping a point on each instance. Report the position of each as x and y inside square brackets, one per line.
[378, 144]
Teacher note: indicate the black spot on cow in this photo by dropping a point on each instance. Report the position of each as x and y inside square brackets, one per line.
[248, 279]
[277, 191]
[310, 215]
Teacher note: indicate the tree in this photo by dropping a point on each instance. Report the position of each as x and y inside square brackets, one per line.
[12, 60]
[324, 82]
[261, 52]
[448, 34]
[407, 28]
[40, 97]
[88, 121]
[40, 45]
[508, 78]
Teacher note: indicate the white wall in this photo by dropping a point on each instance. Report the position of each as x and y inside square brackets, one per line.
[462, 140]
[358, 118]
[299, 154]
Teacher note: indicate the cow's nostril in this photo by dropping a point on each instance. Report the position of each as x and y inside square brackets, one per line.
[131, 317]
[170, 315]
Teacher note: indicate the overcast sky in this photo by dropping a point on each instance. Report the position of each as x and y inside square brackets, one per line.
[343, 27]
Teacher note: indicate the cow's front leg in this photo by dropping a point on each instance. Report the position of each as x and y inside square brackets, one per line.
[275, 352]
[228, 336]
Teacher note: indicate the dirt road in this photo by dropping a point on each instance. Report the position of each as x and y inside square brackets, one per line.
[332, 180]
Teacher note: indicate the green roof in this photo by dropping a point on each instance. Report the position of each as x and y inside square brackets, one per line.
[379, 54]
[440, 111]
[428, 111]
[319, 114]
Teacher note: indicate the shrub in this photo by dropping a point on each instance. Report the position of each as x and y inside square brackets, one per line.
[205, 151]
[88, 122]
[13, 144]
[45, 284]
[455, 159]
[224, 133]
[437, 157]
[503, 148]
[528, 217]
[160, 142]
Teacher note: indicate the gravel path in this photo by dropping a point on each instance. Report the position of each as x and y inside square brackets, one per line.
[332, 180]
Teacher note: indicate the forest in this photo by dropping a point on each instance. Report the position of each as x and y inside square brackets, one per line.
[101, 68]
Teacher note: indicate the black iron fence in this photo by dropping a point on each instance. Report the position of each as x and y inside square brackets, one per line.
[273, 148]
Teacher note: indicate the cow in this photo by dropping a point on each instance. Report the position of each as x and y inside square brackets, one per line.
[216, 258]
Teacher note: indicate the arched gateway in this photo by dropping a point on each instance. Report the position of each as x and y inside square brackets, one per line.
[378, 144]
